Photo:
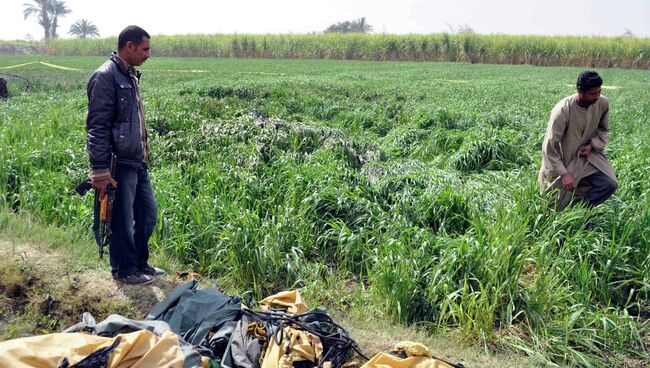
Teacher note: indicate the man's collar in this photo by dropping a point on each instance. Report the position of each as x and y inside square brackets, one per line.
[124, 66]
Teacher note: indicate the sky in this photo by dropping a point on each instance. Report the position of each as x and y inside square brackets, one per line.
[541, 17]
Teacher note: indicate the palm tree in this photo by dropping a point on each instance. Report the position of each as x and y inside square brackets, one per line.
[83, 28]
[47, 12]
[40, 9]
[355, 26]
[362, 26]
[57, 9]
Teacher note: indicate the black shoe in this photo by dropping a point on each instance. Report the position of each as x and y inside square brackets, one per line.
[152, 271]
[137, 278]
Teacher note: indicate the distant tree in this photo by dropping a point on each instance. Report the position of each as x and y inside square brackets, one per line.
[340, 27]
[83, 28]
[356, 26]
[461, 29]
[628, 33]
[58, 9]
[47, 13]
[360, 25]
[40, 10]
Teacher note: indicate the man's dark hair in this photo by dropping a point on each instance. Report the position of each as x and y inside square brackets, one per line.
[133, 34]
[588, 79]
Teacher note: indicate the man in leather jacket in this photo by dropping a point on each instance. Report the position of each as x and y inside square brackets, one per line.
[116, 128]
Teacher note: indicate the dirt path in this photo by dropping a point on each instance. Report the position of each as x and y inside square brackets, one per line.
[40, 284]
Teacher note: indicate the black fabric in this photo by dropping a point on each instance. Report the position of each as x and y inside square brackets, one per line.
[217, 326]
[97, 359]
[194, 314]
[243, 350]
[336, 341]
[4, 92]
[221, 338]
[167, 306]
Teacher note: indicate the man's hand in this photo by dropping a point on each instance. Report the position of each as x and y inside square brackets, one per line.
[585, 150]
[567, 182]
[101, 185]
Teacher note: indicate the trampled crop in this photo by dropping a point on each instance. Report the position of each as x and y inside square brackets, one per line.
[412, 183]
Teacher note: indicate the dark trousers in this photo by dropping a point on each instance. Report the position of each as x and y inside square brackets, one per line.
[596, 188]
[134, 219]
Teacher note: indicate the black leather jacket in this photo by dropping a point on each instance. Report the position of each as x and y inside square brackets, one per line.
[113, 123]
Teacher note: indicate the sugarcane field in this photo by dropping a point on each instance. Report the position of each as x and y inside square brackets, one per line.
[262, 191]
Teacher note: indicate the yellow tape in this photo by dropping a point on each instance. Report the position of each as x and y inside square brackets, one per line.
[206, 71]
[40, 62]
[264, 73]
[77, 69]
[602, 87]
[18, 66]
[178, 70]
[59, 66]
[147, 70]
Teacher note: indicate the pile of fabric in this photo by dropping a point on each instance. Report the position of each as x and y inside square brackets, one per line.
[194, 328]
[206, 328]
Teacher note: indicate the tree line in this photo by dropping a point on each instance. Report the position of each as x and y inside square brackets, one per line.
[48, 13]
[355, 26]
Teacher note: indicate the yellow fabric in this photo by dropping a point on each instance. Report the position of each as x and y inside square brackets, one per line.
[418, 356]
[140, 349]
[289, 300]
[385, 360]
[296, 346]
[413, 349]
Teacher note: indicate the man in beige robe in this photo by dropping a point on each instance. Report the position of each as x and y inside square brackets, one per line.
[574, 166]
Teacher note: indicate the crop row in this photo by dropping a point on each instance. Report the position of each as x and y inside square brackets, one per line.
[625, 52]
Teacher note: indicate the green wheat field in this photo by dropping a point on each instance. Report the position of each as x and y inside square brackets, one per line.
[406, 190]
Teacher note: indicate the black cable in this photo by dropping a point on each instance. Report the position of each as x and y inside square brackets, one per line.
[342, 343]
[279, 336]
[18, 76]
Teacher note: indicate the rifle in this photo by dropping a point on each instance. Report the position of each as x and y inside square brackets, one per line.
[102, 208]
